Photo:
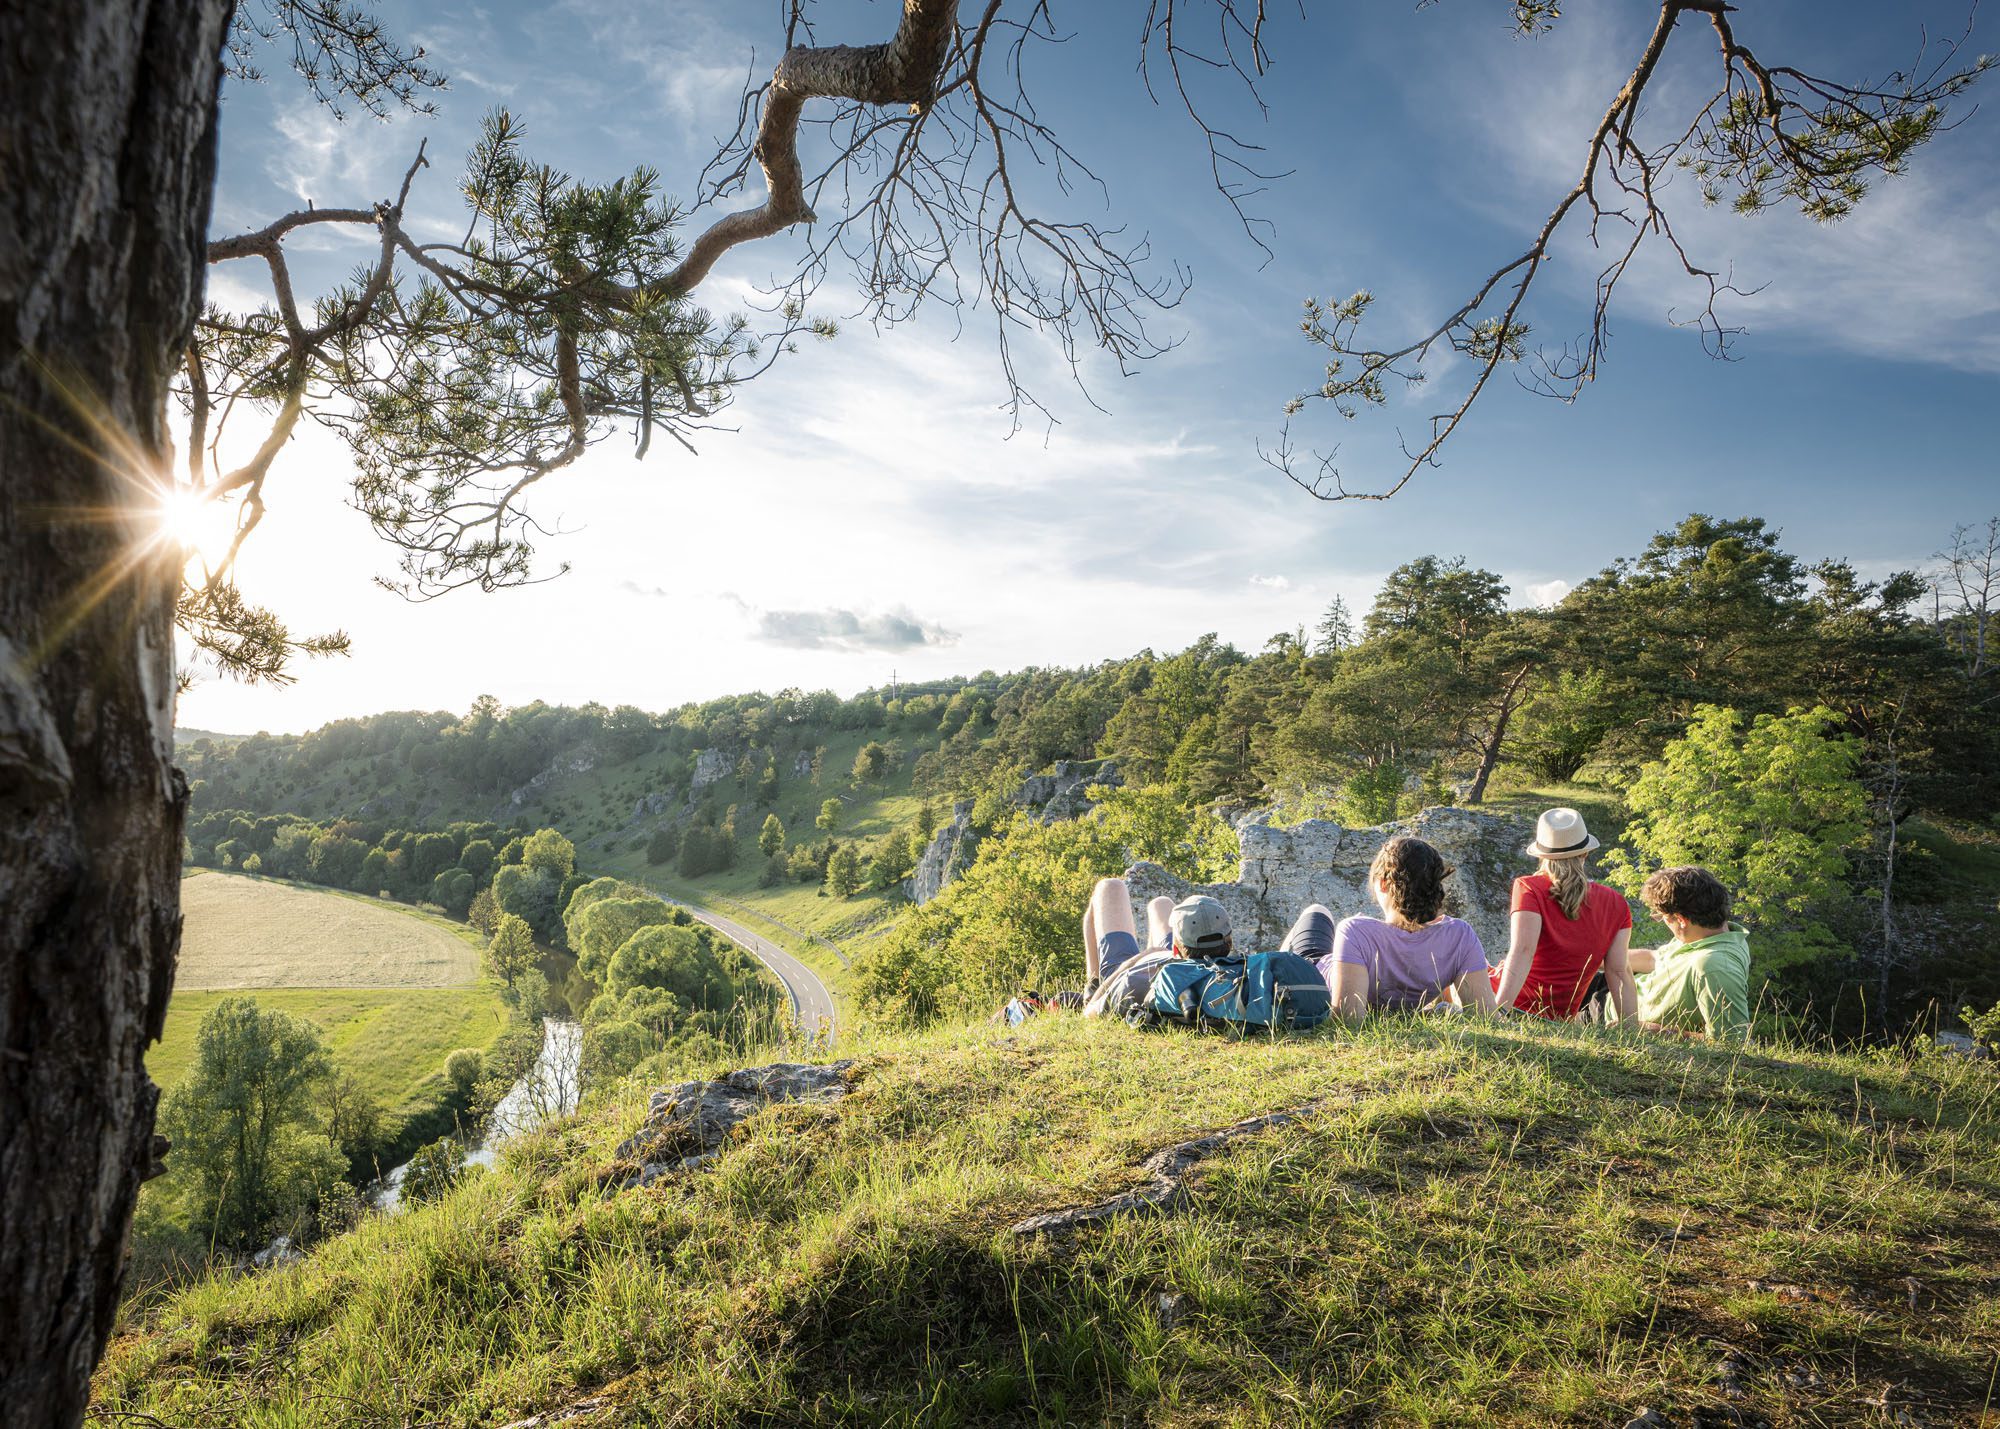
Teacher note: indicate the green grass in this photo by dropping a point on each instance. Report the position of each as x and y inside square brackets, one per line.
[1484, 1223]
[394, 1040]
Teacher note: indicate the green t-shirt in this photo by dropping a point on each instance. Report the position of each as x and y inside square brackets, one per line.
[1704, 984]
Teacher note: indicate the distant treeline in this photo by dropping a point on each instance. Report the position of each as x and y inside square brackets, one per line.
[1440, 682]
[449, 867]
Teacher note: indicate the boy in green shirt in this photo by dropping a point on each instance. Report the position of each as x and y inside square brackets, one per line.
[1701, 980]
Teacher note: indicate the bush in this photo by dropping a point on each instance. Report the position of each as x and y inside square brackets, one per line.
[1985, 1026]
[1771, 808]
[1009, 922]
[463, 1068]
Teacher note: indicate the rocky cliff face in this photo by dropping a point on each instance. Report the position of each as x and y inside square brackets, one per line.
[711, 766]
[1283, 870]
[1064, 792]
[947, 855]
[581, 762]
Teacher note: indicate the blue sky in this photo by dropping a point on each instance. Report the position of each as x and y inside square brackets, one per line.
[868, 511]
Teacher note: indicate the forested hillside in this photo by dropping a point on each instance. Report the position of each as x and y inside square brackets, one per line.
[1710, 645]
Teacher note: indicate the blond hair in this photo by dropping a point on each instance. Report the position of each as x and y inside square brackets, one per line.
[1569, 881]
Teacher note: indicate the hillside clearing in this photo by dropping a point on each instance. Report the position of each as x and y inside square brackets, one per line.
[244, 932]
[1482, 1223]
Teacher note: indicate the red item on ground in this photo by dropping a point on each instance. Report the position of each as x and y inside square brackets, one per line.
[1570, 951]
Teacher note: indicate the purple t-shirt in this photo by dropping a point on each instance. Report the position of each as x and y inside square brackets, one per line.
[1405, 967]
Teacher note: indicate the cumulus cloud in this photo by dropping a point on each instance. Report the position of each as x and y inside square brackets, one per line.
[1543, 594]
[848, 630]
[1272, 582]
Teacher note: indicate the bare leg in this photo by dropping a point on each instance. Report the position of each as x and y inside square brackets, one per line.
[1159, 930]
[1110, 911]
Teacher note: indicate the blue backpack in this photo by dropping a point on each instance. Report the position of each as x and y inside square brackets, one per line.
[1275, 990]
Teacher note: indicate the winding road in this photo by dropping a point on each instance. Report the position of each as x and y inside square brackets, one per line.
[812, 1002]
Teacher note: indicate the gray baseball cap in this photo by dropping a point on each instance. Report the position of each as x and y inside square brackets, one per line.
[1200, 925]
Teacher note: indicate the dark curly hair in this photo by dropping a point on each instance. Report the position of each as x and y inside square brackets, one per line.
[1413, 873]
[1692, 893]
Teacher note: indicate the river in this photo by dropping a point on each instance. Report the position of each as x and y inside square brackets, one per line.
[548, 1091]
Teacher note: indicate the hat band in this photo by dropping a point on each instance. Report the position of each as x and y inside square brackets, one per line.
[1583, 842]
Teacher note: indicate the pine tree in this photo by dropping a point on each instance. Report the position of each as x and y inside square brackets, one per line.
[1336, 628]
[843, 871]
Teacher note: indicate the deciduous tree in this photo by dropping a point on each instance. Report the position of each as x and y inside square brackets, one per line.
[512, 949]
[250, 1149]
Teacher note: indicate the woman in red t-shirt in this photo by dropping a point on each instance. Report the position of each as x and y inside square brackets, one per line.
[1563, 928]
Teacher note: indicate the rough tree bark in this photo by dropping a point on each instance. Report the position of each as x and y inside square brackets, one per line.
[107, 158]
[1489, 756]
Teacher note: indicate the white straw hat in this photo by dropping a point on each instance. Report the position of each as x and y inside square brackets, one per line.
[1560, 834]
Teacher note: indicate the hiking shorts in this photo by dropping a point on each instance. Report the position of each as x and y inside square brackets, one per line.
[1113, 948]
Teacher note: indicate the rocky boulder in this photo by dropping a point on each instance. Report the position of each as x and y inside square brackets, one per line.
[686, 1124]
[1318, 861]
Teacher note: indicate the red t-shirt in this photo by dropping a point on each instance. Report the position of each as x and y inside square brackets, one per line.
[1570, 951]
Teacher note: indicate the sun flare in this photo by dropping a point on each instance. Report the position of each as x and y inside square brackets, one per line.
[199, 526]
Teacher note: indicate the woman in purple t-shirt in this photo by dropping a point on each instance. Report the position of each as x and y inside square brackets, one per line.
[1410, 956]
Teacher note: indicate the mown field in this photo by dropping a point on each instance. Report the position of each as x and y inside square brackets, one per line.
[393, 990]
[246, 932]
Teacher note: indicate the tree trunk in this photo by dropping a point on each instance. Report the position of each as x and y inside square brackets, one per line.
[107, 159]
[1490, 756]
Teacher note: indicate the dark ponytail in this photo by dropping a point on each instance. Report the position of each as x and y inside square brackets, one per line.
[1413, 873]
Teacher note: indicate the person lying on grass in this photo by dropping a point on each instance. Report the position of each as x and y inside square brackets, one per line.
[1118, 972]
[1410, 957]
[1700, 982]
[1563, 928]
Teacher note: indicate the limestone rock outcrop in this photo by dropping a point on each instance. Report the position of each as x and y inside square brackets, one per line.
[686, 1124]
[1282, 870]
[948, 854]
[1063, 793]
[710, 766]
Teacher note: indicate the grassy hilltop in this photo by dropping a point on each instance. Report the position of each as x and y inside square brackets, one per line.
[1474, 1223]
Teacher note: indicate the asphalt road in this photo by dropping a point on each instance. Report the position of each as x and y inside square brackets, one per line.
[812, 1003]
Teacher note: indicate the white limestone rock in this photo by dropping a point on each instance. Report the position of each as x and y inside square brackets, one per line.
[1319, 861]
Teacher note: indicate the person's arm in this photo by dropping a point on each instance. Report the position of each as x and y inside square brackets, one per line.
[1350, 992]
[1618, 975]
[1524, 930]
[1346, 973]
[1641, 960]
[1475, 993]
